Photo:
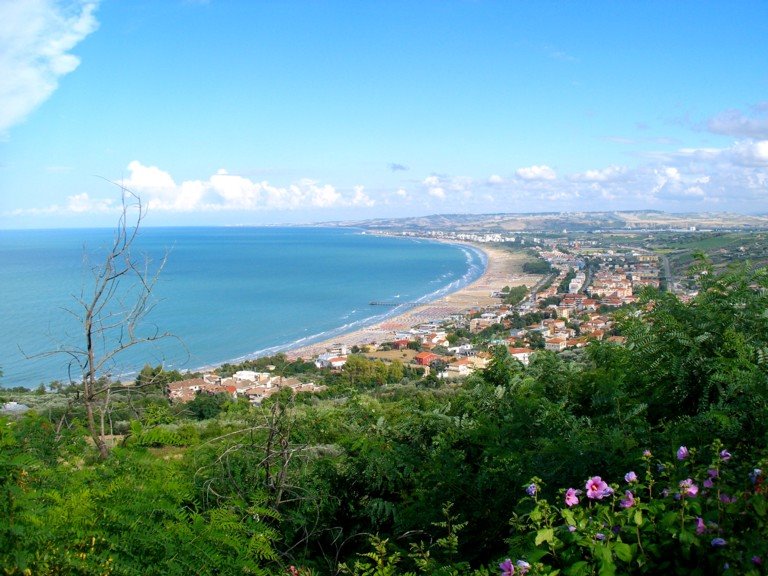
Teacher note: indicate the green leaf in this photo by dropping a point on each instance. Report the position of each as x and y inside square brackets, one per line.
[670, 519]
[568, 517]
[579, 568]
[639, 517]
[760, 505]
[545, 535]
[687, 537]
[605, 559]
[623, 551]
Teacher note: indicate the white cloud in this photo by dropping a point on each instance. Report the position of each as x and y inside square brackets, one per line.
[82, 203]
[434, 187]
[729, 178]
[148, 178]
[448, 187]
[361, 198]
[36, 37]
[542, 172]
[601, 175]
[224, 191]
[751, 153]
[671, 173]
[732, 178]
[737, 123]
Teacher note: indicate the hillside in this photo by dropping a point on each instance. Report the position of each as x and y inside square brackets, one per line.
[556, 222]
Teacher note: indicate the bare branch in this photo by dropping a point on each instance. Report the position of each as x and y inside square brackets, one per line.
[110, 314]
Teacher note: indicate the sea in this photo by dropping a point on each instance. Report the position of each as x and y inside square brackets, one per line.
[225, 294]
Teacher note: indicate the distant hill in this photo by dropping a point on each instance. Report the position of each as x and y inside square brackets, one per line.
[556, 222]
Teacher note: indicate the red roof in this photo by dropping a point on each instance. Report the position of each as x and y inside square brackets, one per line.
[520, 350]
[425, 358]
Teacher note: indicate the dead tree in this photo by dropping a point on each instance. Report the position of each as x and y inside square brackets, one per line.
[110, 311]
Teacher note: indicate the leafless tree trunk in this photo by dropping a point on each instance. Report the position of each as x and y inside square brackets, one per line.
[109, 312]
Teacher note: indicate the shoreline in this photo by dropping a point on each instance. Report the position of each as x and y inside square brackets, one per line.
[502, 268]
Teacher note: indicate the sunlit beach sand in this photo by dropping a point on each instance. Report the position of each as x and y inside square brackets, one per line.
[503, 268]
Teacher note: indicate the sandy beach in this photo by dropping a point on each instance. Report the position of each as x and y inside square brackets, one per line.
[504, 268]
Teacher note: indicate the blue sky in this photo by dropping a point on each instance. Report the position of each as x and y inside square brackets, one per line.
[271, 111]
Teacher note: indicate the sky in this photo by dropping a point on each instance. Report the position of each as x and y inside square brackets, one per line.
[265, 112]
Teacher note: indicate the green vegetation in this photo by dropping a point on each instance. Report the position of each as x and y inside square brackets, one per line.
[514, 295]
[562, 288]
[387, 472]
[538, 266]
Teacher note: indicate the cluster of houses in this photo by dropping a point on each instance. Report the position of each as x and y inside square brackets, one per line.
[255, 386]
[576, 318]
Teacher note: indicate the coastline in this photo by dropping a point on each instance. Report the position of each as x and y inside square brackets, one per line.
[503, 268]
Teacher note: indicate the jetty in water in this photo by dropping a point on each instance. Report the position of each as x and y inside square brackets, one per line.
[384, 303]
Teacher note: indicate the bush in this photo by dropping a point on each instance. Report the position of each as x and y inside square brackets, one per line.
[688, 515]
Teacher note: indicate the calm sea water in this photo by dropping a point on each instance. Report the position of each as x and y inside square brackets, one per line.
[227, 293]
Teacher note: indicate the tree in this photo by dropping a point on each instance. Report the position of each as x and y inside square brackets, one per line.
[702, 364]
[110, 313]
[204, 406]
[157, 376]
[502, 367]
[536, 340]
[514, 296]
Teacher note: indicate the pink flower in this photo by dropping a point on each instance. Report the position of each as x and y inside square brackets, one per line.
[708, 483]
[523, 566]
[597, 488]
[628, 501]
[571, 497]
[700, 526]
[682, 453]
[725, 455]
[688, 488]
[647, 454]
[507, 569]
[630, 477]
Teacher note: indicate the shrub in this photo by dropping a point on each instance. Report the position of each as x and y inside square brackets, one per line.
[688, 515]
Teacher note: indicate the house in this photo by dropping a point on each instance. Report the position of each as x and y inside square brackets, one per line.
[555, 344]
[479, 324]
[521, 354]
[185, 390]
[462, 367]
[248, 375]
[330, 360]
[463, 350]
[400, 344]
[425, 358]
[579, 342]
[432, 339]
